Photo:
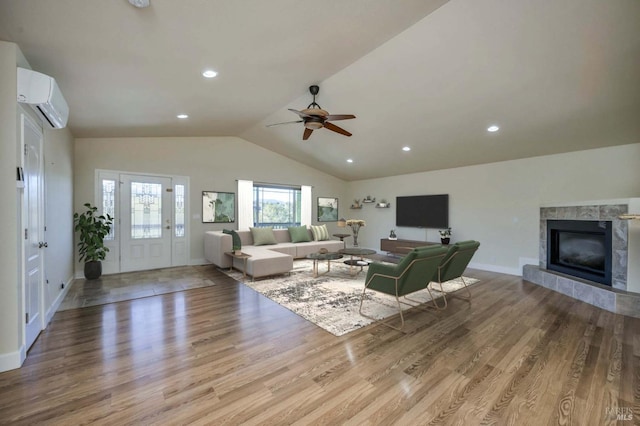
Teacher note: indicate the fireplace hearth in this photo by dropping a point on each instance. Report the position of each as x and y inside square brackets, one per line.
[582, 249]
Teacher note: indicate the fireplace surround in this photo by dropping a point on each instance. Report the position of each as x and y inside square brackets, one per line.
[622, 295]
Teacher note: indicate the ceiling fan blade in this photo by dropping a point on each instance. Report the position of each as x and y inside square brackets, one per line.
[300, 113]
[336, 129]
[334, 117]
[307, 133]
[286, 122]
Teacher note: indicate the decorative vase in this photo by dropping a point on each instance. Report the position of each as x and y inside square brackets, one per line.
[392, 235]
[355, 229]
[93, 270]
[444, 241]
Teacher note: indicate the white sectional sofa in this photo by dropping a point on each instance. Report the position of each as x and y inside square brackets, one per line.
[265, 260]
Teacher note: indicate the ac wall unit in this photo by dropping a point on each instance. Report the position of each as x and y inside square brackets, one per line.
[43, 94]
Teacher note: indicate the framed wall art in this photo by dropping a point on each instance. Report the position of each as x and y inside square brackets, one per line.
[218, 207]
[327, 209]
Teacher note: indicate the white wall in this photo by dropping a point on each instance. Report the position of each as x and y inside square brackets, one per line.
[58, 168]
[498, 204]
[212, 163]
[10, 303]
[58, 182]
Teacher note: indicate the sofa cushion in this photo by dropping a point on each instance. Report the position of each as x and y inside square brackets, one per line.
[263, 236]
[320, 233]
[299, 234]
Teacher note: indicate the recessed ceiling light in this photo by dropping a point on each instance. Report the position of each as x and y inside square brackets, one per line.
[349, 160]
[406, 148]
[493, 128]
[209, 73]
[182, 116]
[140, 3]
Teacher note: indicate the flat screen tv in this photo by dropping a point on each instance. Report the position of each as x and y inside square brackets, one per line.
[423, 211]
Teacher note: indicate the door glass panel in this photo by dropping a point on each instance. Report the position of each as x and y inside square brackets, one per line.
[146, 210]
[179, 219]
[108, 203]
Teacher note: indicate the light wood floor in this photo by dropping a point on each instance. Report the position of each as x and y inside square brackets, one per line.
[224, 354]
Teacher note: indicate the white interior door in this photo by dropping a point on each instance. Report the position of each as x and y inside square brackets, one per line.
[145, 221]
[34, 230]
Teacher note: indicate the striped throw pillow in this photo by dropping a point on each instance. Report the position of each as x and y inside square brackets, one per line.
[320, 233]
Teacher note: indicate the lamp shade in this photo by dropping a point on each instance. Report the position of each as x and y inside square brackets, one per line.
[342, 222]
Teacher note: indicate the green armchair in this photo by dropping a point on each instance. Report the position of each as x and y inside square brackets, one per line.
[411, 274]
[453, 266]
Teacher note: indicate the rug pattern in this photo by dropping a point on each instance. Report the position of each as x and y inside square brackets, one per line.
[332, 300]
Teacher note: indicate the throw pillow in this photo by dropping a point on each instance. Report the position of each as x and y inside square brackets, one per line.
[263, 236]
[299, 234]
[320, 233]
[235, 238]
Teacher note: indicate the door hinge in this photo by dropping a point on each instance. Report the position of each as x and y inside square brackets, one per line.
[26, 234]
[26, 149]
[27, 317]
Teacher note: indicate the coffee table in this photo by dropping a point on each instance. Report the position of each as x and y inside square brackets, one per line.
[316, 257]
[356, 258]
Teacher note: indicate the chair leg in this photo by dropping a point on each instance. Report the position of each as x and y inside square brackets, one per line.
[418, 304]
[433, 299]
[455, 293]
[383, 322]
[468, 297]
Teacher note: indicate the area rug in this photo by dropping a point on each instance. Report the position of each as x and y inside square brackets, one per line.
[332, 300]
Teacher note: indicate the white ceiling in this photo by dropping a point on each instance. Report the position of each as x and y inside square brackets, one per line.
[556, 76]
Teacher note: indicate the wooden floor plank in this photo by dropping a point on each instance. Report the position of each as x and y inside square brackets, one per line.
[516, 353]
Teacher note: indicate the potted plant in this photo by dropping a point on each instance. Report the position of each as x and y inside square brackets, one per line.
[445, 235]
[93, 229]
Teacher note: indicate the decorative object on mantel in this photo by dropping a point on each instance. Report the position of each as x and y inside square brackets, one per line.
[383, 204]
[368, 199]
[355, 225]
[630, 216]
[392, 235]
[356, 204]
[445, 236]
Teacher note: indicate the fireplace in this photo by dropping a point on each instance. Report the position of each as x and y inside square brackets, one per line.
[581, 248]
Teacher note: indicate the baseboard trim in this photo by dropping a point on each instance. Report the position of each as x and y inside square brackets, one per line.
[196, 262]
[56, 303]
[496, 268]
[12, 360]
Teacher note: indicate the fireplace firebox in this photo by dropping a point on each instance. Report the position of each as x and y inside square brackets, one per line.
[581, 248]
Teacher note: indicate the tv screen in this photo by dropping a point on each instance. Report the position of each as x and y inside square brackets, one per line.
[423, 211]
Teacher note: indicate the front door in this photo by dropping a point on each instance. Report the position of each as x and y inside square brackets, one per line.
[34, 229]
[145, 222]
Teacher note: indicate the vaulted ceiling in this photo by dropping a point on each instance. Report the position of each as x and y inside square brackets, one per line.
[555, 76]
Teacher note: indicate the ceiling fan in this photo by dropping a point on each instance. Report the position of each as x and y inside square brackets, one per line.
[315, 118]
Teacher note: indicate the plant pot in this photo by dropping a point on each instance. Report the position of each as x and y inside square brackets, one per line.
[93, 270]
[445, 241]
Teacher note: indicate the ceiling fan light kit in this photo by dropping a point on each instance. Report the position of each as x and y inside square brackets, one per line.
[314, 117]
